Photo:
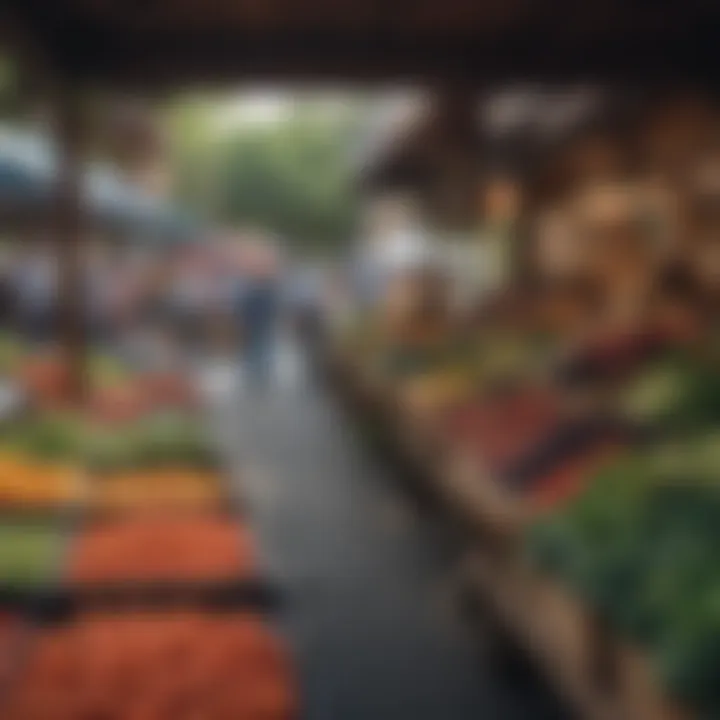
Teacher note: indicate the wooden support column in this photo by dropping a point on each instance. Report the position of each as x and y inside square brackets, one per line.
[68, 231]
[456, 156]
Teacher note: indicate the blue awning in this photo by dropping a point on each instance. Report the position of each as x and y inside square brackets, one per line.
[28, 165]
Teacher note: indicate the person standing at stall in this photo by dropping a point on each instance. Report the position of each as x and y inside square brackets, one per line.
[396, 244]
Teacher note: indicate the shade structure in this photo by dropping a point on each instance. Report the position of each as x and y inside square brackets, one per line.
[176, 42]
[28, 166]
[26, 169]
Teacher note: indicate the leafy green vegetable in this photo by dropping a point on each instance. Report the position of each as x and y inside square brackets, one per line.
[641, 545]
[677, 393]
[29, 553]
[58, 436]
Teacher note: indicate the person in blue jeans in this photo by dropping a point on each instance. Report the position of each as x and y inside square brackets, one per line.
[258, 314]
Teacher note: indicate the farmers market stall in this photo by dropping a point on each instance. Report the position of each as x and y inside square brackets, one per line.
[125, 557]
[508, 419]
[570, 425]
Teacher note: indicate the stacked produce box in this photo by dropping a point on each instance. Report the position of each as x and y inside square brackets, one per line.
[129, 575]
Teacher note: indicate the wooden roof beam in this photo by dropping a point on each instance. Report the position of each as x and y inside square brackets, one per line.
[137, 60]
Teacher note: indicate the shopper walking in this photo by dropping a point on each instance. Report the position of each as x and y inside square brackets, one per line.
[258, 312]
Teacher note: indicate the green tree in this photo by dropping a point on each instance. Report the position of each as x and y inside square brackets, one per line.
[291, 177]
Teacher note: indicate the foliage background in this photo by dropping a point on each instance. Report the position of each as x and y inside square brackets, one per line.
[292, 176]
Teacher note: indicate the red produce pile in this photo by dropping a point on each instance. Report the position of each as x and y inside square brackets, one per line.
[617, 355]
[150, 667]
[501, 428]
[162, 548]
[12, 629]
[571, 475]
[134, 398]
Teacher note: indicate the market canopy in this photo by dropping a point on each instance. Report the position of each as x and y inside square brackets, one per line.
[28, 167]
[181, 41]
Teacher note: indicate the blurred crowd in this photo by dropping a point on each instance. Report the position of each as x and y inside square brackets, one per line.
[218, 296]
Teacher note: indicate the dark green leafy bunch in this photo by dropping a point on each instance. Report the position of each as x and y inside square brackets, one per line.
[173, 439]
[159, 440]
[29, 554]
[57, 437]
[642, 546]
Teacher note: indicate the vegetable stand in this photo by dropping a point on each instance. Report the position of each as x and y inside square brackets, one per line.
[585, 525]
[153, 555]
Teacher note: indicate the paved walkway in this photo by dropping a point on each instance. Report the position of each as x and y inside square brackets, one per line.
[369, 610]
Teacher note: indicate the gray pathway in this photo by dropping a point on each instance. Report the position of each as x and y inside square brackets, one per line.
[369, 610]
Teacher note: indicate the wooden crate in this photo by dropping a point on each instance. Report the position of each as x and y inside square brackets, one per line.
[572, 636]
[640, 695]
[601, 675]
[472, 491]
[559, 633]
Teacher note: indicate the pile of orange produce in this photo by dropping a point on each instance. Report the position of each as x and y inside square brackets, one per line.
[25, 480]
[155, 668]
[165, 488]
[162, 548]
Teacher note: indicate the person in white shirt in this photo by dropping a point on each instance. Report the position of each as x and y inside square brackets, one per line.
[396, 247]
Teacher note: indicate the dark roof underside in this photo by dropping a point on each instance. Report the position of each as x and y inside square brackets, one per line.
[151, 42]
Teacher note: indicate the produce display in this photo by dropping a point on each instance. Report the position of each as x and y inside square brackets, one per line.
[567, 477]
[676, 393]
[511, 355]
[30, 553]
[58, 458]
[13, 631]
[136, 397]
[436, 389]
[48, 436]
[46, 376]
[31, 482]
[149, 506]
[115, 394]
[500, 426]
[607, 461]
[640, 545]
[167, 548]
[614, 356]
[159, 667]
[168, 439]
[12, 353]
[163, 488]
[45, 380]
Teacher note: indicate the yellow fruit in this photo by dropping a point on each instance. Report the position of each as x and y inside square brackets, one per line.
[26, 480]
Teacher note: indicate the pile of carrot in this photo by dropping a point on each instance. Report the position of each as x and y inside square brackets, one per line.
[174, 667]
[165, 548]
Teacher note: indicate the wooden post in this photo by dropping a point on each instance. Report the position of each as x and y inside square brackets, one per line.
[459, 160]
[69, 135]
